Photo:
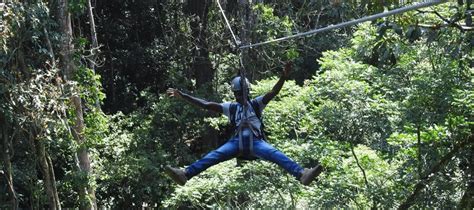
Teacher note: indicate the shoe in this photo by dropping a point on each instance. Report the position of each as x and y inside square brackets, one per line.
[309, 174]
[176, 174]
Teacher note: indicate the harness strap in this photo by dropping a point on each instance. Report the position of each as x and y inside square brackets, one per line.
[243, 125]
[246, 124]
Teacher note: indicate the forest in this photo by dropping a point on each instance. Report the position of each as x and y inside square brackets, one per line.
[386, 106]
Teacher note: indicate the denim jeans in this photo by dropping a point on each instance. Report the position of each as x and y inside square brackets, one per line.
[230, 149]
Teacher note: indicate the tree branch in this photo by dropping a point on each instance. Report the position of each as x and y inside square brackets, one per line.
[448, 22]
[358, 164]
[365, 176]
[428, 177]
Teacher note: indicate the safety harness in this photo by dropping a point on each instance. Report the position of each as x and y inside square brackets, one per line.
[245, 124]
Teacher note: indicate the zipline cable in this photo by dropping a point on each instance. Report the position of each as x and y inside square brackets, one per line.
[237, 42]
[352, 22]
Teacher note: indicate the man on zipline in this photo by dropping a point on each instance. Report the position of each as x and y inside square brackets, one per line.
[248, 141]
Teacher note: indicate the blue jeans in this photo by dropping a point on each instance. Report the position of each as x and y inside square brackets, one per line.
[230, 149]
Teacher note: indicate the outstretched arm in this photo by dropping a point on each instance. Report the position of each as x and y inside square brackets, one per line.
[276, 89]
[211, 106]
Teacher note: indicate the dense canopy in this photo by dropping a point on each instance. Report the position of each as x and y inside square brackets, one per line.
[387, 106]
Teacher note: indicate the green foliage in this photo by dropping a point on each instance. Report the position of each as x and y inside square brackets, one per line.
[375, 107]
[252, 185]
[348, 105]
[90, 90]
[273, 26]
[378, 105]
[77, 6]
[130, 164]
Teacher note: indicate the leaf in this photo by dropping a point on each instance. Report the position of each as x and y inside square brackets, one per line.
[409, 33]
[292, 54]
[397, 28]
[382, 28]
[432, 35]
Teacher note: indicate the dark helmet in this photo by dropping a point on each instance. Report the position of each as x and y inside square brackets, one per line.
[236, 84]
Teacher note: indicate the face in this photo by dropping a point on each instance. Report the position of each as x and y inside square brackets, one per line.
[238, 96]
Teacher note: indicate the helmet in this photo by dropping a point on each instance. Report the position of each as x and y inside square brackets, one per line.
[236, 84]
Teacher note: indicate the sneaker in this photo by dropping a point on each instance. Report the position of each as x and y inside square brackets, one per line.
[176, 174]
[308, 174]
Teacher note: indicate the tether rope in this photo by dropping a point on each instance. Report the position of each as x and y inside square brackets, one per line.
[237, 42]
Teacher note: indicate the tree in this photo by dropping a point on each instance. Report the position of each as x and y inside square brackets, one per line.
[201, 65]
[67, 64]
[7, 149]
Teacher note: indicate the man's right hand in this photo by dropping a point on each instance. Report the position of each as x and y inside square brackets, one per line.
[173, 92]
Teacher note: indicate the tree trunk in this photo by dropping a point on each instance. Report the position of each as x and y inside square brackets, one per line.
[202, 66]
[88, 197]
[231, 8]
[67, 64]
[7, 165]
[248, 21]
[44, 161]
[32, 181]
[95, 44]
[66, 61]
